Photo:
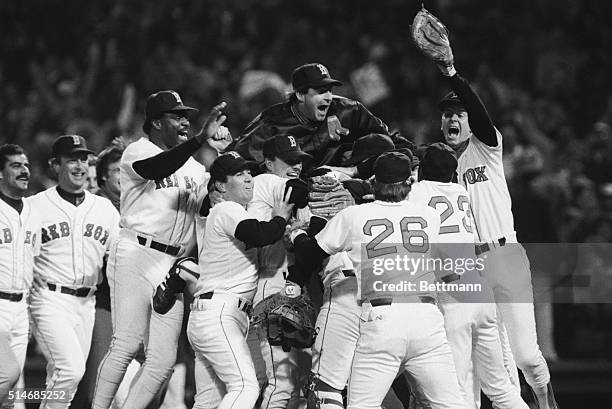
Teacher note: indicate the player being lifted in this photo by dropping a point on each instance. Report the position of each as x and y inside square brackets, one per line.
[468, 129]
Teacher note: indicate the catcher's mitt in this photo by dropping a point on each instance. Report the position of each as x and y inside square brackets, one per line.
[327, 196]
[287, 321]
[431, 37]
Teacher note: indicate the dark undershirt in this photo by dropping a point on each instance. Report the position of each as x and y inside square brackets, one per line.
[16, 204]
[309, 257]
[167, 162]
[74, 198]
[478, 117]
[255, 233]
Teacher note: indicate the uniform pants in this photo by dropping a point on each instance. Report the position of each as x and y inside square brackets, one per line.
[14, 328]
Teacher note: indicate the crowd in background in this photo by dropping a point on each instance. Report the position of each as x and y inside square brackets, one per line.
[541, 66]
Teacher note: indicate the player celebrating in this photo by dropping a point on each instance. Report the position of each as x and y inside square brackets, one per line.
[470, 318]
[322, 123]
[277, 368]
[395, 334]
[218, 323]
[77, 230]
[468, 129]
[159, 186]
[18, 245]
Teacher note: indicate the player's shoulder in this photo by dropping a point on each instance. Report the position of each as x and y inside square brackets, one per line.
[268, 178]
[277, 113]
[477, 144]
[43, 195]
[102, 201]
[141, 148]
[227, 207]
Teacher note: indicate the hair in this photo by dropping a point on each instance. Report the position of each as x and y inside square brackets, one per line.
[110, 154]
[392, 192]
[7, 150]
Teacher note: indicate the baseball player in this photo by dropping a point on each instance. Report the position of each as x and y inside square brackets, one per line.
[468, 129]
[77, 230]
[218, 323]
[325, 125]
[276, 369]
[470, 319]
[398, 330]
[159, 190]
[19, 243]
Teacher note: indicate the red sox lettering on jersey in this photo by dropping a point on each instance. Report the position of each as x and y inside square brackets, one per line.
[475, 175]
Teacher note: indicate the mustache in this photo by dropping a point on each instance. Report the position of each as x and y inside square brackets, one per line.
[23, 176]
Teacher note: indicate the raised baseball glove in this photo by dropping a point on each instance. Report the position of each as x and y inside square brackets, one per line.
[327, 196]
[287, 321]
[431, 37]
[165, 293]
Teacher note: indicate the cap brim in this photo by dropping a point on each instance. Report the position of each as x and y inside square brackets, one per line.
[449, 103]
[78, 150]
[322, 83]
[296, 155]
[179, 108]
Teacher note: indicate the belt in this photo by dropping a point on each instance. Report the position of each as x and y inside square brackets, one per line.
[376, 302]
[242, 305]
[484, 247]
[77, 292]
[155, 245]
[349, 273]
[16, 297]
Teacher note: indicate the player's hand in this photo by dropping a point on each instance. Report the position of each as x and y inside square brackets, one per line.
[215, 197]
[291, 289]
[38, 284]
[213, 122]
[284, 208]
[221, 140]
[342, 173]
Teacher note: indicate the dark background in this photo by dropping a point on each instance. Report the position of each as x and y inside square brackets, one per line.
[541, 66]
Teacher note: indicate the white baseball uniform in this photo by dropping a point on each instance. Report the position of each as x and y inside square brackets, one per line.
[507, 269]
[403, 331]
[277, 371]
[73, 240]
[19, 243]
[219, 321]
[157, 226]
[470, 319]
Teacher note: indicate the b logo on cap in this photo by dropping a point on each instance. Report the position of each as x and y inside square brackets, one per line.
[235, 155]
[75, 140]
[177, 97]
[323, 70]
[292, 141]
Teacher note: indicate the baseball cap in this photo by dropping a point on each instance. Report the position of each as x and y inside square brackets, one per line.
[414, 160]
[450, 99]
[69, 144]
[160, 102]
[311, 75]
[368, 146]
[392, 167]
[284, 147]
[439, 161]
[227, 164]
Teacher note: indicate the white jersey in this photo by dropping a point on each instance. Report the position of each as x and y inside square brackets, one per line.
[163, 209]
[73, 239]
[19, 243]
[268, 190]
[381, 230]
[225, 264]
[481, 172]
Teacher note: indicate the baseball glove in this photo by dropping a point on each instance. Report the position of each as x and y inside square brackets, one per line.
[287, 321]
[431, 37]
[327, 196]
[165, 293]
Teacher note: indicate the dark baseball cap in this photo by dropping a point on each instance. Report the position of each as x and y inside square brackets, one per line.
[312, 75]
[68, 144]
[414, 160]
[160, 102]
[227, 164]
[368, 146]
[284, 147]
[450, 99]
[392, 167]
[438, 162]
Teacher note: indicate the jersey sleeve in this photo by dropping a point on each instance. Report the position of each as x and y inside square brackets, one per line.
[486, 150]
[268, 191]
[230, 215]
[336, 235]
[135, 152]
[114, 219]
